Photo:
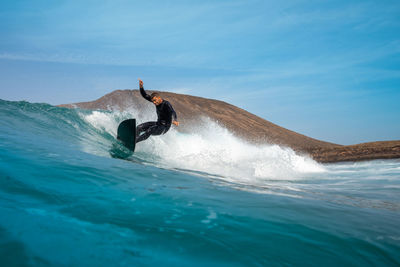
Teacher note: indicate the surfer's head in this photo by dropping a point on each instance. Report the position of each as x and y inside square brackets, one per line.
[156, 99]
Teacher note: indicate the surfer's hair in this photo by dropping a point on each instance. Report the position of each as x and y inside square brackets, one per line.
[155, 95]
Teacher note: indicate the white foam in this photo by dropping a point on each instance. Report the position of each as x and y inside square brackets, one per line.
[103, 121]
[208, 148]
[213, 149]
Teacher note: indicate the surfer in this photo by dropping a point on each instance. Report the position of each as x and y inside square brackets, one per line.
[165, 112]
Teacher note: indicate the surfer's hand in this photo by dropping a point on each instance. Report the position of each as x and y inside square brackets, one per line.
[140, 83]
[175, 123]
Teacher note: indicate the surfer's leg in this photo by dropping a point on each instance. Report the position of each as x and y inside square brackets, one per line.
[146, 129]
[153, 129]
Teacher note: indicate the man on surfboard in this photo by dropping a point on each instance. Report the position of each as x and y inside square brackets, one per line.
[165, 112]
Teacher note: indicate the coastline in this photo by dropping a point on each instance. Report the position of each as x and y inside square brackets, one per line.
[358, 152]
[238, 121]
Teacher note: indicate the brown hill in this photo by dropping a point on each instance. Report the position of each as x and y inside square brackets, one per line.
[245, 125]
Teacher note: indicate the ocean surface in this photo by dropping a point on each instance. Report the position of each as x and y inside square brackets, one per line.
[71, 195]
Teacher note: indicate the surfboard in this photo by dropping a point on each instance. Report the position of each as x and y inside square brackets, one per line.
[126, 133]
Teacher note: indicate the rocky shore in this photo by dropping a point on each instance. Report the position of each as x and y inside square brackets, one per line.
[245, 125]
[359, 152]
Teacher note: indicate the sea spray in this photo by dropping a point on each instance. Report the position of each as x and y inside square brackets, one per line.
[215, 150]
[212, 149]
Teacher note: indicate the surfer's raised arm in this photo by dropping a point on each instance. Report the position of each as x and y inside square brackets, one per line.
[143, 92]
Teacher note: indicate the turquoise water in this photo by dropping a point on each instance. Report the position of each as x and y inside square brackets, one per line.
[70, 195]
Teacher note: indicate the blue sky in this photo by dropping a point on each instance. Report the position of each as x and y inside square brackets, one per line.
[326, 69]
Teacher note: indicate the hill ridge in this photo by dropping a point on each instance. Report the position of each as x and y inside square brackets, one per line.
[244, 124]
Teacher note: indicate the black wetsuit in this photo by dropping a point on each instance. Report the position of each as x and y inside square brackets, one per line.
[165, 112]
